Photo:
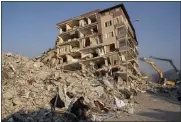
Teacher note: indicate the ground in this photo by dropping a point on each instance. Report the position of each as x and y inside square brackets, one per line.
[152, 107]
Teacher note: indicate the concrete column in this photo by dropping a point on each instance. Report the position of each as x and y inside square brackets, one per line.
[60, 30]
[106, 62]
[83, 43]
[89, 21]
[80, 43]
[81, 54]
[105, 49]
[81, 34]
[83, 68]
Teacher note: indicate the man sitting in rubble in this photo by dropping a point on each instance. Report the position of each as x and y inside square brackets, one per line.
[79, 109]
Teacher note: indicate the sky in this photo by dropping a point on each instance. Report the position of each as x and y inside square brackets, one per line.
[29, 28]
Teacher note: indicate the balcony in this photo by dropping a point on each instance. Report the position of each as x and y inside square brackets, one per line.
[120, 36]
[88, 30]
[117, 13]
[136, 50]
[129, 56]
[77, 24]
[121, 32]
[120, 24]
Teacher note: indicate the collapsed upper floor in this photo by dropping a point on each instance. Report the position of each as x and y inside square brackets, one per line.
[109, 25]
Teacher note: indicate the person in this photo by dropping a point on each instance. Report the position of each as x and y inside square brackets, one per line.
[73, 99]
[79, 109]
[56, 101]
[179, 95]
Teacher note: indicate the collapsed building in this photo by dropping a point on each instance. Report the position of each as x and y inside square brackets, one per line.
[100, 42]
[103, 41]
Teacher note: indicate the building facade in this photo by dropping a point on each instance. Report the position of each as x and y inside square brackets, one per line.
[103, 41]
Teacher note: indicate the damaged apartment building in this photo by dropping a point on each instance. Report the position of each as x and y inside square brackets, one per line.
[103, 41]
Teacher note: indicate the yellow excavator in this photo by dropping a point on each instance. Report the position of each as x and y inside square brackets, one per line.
[178, 79]
[162, 80]
[171, 63]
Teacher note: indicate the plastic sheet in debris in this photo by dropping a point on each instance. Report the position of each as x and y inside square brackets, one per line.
[119, 103]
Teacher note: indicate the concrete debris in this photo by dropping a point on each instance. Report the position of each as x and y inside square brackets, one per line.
[100, 106]
[119, 103]
[28, 85]
[130, 110]
[107, 83]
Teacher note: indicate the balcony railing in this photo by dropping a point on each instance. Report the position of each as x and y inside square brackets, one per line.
[120, 36]
[79, 27]
[119, 24]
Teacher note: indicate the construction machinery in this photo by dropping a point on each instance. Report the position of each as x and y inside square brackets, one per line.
[171, 62]
[162, 80]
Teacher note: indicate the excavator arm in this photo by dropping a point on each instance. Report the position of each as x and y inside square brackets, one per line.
[162, 79]
[168, 60]
[153, 65]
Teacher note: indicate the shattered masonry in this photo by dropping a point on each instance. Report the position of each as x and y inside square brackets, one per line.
[96, 41]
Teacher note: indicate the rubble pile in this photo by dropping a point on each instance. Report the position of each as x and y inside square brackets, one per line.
[23, 85]
[29, 85]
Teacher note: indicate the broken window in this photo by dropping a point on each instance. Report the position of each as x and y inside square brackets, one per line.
[99, 64]
[117, 20]
[95, 54]
[108, 23]
[74, 34]
[94, 30]
[75, 45]
[63, 29]
[121, 31]
[115, 69]
[92, 18]
[115, 62]
[64, 37]
[64, 59]
[76, 55]
[101, 51]
[109, 35]
[108, 61]
[112, 47]
[122, 43]
[87, 42]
